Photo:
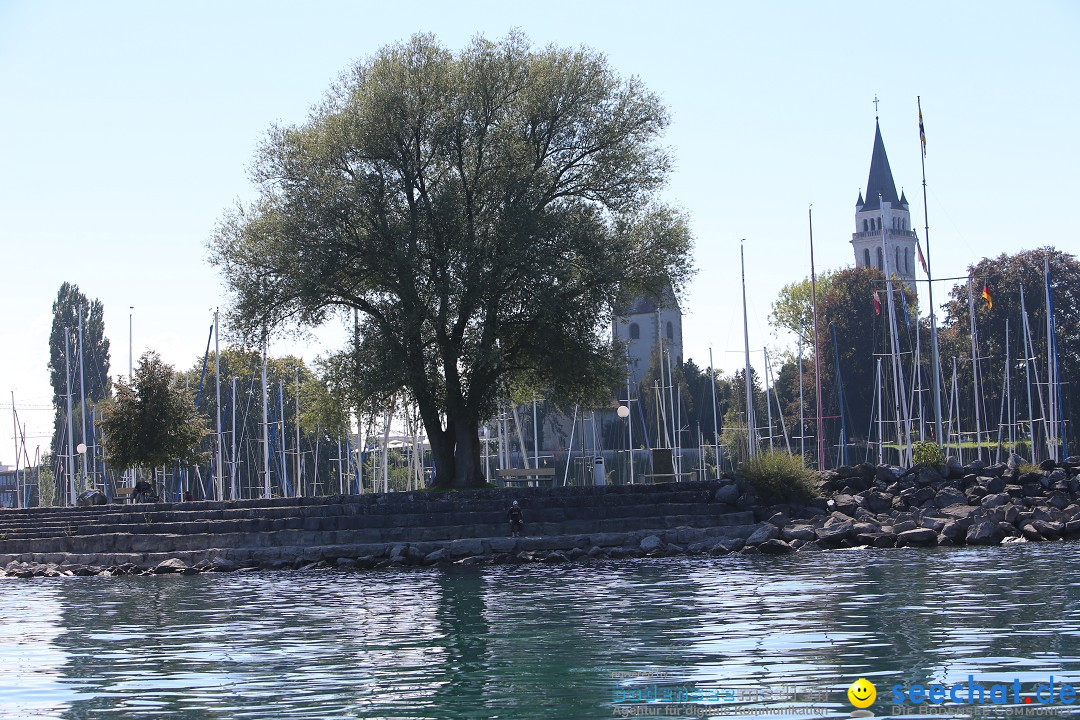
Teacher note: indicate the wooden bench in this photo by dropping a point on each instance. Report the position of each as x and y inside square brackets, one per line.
[125, 494]
[526, 477]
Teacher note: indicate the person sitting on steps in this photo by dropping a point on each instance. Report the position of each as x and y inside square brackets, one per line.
[517, 519]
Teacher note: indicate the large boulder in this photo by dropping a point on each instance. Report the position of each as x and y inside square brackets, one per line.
[877, 502]
[727, 494]
[765, 532]
[919, 536]
[651, 543]
[985, 532]
[949, 496]
[775, 547]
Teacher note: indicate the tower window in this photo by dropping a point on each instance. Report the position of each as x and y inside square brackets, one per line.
[670, 331]
[866, 257]
[907, 260]
[880, 260]
[635, 331]
[865, 226]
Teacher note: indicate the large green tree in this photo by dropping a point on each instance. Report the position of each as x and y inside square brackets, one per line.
[1003, 277]
[482, 211]
[66, 355]
[846, 305]
[152, 421]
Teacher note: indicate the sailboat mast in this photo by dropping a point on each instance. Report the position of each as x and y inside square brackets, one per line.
[751, 441]
[716, 430]
[817, 349]
[935, 360]
[70, 427]
[1051, 369]
[218, 470]
[903, 432]
[235, 459]
[975, 368]
[82, 398]
[266, 430]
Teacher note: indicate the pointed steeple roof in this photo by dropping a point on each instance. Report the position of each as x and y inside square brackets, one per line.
[880, 180]
[859, 203]
[903, 199]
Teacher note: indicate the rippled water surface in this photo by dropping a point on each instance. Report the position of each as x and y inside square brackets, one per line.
[540, 641]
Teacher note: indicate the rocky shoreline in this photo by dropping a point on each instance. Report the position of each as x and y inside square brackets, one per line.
[861, 506]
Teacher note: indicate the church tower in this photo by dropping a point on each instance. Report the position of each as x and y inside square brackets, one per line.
[882, 221]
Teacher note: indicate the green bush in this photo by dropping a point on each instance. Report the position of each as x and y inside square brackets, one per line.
[778, 477]
[928, 453]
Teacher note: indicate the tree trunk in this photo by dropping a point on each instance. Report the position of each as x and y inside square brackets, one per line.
[467, 469]
[442, 452]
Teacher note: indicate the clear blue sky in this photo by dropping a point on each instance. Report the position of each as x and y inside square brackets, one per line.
[127, 128]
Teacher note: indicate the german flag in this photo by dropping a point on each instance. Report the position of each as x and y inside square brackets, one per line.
[986, 296]
[877, 303]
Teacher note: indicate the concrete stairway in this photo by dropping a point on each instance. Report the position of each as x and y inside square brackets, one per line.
[356, 525]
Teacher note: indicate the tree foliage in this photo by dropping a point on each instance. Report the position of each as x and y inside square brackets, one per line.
[95, 353]
[1003, 277]
[482, 211]
[152, 421]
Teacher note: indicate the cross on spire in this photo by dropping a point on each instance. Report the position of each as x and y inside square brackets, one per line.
[875, 107]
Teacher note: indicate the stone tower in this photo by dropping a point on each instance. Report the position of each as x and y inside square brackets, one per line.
[882, 220]
[643, 324]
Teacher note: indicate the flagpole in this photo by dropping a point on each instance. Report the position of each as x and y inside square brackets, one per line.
[817, 348]
[935, 361]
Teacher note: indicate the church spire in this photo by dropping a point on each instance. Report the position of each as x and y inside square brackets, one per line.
[880, 180]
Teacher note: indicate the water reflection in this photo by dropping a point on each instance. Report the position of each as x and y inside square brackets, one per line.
[533, 641]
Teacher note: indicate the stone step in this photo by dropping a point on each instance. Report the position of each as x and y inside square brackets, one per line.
[187, 537]
[352, 505]
[183, 523]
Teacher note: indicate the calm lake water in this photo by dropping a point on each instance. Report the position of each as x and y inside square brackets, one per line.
[571, 641]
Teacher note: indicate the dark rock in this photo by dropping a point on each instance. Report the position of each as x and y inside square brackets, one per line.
[995, 485]
[947, 497]
[779, 520]
[1030, 533]
[834, 535]
[844, 503]
[920, 536]
[727, 494]
[436, 556]
[172, 565]
[984, 533]
[1049, 530]
[993, 501]
[650, 544]
[1048, 464]
[775, 547]
[799, 532]
[810, 547]
[904, 526]
[953, 531]
[762, 534]
[877, 502]
[887, 474]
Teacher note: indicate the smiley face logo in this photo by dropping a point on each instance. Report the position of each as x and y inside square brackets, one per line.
[862, 693]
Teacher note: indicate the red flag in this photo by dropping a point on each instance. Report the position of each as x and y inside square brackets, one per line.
[986, 294]
[877, 303]
[922, 260]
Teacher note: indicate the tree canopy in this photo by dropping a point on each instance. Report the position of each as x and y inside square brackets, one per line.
[1003, 277]
[95, 353]
[152, 420]
[483, 211]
